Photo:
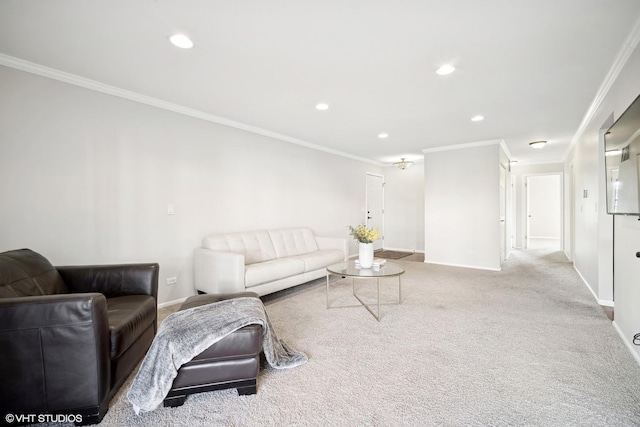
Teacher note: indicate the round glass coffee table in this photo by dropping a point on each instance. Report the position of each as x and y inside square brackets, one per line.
[349, 269]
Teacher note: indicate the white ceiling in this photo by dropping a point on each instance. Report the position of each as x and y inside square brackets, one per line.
[532, 68]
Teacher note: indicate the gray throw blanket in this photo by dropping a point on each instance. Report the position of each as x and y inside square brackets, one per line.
[187, 333]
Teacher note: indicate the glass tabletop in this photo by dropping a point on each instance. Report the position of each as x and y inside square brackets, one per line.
[349, 269]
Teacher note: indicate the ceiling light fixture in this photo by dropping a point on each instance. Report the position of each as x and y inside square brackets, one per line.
[477, 118]
[383, 135]
[402, 164]
[445, 69]
[537, 144]
[322, 106]
[181, 41]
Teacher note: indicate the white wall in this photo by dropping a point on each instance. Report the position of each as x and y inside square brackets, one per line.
[627, 279]
[404, 208]
[590, 243]
[462, 206]
[87, 177]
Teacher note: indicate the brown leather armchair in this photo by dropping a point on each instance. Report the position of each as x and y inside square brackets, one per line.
[70, 336]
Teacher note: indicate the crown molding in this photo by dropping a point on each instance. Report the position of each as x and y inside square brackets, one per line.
[535, 163]
[467, 145]
[506, 149]
[622, 57]
[62, 76]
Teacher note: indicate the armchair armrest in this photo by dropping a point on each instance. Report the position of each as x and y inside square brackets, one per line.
[112, 280]
[55, 351]
[333, 243]
[218, 272]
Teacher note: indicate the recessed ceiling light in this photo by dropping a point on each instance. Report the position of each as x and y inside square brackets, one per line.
[446, 69]
[322, 106]
[181, 41]
[383, 135]
[477, 118]
[537, 144]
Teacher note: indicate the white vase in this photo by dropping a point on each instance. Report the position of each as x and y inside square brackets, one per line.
[365, 254]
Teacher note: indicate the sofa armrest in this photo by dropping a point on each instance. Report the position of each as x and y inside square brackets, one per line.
[218, 272]
[112, 280]
[333, 243]
[55, 352]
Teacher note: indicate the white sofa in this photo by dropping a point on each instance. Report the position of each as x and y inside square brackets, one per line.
[264, 261]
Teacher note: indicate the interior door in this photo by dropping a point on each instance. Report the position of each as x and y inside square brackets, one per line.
[503, 213]
[375, 206]
[544, 211]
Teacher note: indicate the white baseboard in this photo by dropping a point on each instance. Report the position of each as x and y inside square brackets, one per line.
[585, 282]
[604, 302]
[462, 265]
[629, 345]
[414, 251]
[169, 303]
[632, 350]
[567, 255]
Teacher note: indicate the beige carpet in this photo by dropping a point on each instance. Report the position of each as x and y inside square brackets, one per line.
[525, 346]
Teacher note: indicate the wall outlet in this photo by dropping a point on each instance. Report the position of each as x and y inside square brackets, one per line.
[170, 210]
[172, 280]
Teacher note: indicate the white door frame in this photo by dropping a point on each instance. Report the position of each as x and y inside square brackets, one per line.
[366, 216]
[526, 205]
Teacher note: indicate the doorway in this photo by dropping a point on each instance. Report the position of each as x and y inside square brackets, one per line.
[544, 212]
[375, 206]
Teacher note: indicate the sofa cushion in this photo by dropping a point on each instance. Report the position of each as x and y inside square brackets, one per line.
[129, 316]
[321, 259]
[256, 246]
[268, 271]
[293, 241]
[27, 273]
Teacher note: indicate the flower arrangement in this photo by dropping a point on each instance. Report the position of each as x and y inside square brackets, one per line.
[363, 234]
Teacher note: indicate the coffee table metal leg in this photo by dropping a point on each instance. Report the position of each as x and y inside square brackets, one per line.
[327, 290]
[378, 280]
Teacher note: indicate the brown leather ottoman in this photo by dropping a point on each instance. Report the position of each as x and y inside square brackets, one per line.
[232, 362]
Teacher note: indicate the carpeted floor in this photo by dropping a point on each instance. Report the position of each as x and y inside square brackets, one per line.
[524, 346]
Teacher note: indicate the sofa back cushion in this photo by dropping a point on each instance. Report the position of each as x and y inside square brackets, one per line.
[256, 246]
[293, 241]
[27, 273]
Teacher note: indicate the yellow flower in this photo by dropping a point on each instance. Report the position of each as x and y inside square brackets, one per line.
[363, 234]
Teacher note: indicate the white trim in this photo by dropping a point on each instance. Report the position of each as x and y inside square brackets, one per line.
[462, 146]
[506, 150]
[526, 177]
[545, 238]
[366, 202]
[624, 53]
[585, 282]
[413, 251]
[547, 162]
[476, 267]
[30, 67]
[170, 303]
[632, 350]
[604, 302]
